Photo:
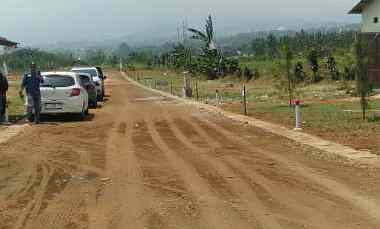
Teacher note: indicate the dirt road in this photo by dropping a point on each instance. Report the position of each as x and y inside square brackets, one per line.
[143, 161]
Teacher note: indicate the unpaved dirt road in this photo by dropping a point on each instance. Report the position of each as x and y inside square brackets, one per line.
[143, 161]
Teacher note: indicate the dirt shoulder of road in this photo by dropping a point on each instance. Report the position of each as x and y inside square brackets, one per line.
[326, 146]
[143, 160]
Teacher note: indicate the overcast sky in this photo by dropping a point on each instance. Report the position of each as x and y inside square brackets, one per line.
[39, 21]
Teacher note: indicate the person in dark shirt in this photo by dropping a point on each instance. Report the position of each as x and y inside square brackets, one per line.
[31, 83]
[3, 96]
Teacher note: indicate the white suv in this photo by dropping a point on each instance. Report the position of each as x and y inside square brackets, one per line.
[61, 92]
[95, 77]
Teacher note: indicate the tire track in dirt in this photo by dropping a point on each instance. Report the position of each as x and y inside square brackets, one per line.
[294, 211]
[144, 192]
[33, 207]
[124, 200]
[259, 184]
[249, 204]
[31, 180]
[200, 180]
[65, 211]
[177, 209]
[23, 193]
[332, 190]
[121, 202]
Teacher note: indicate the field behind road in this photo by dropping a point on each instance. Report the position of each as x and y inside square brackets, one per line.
[144, 161]
[327, 110]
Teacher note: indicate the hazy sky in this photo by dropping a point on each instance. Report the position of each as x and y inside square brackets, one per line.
[38, 21]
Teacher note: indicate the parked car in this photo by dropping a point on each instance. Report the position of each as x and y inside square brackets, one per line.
[87, 82]
[62, 93]
[95, 77]
[103, 77]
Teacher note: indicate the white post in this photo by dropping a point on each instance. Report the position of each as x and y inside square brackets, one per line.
[298, 115]
[217, 98]
[121, 64]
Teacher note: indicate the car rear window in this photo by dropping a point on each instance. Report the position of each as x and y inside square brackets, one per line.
[58, 81]
[84, 79]
[92, 72]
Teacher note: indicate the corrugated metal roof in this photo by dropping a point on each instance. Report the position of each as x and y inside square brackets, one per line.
[358, 9]
[6, 42]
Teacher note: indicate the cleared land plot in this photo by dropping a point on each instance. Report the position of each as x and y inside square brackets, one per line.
[149, 162]
[328, 111]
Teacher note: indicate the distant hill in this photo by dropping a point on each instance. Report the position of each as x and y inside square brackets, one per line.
[241, 39]
[152, 39]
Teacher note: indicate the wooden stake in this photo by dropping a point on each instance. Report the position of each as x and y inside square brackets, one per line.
[244, 95]
[196, 90]
[171, 87]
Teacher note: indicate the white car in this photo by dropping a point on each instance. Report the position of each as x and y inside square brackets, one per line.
[96, 77]
[62, 92]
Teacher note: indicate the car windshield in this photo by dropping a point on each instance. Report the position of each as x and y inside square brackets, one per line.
[58, 81]
[92, 72]
[84, 79]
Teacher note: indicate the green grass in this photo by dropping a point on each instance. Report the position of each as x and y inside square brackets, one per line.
[330, 121]
[323, 113]
[16, 107]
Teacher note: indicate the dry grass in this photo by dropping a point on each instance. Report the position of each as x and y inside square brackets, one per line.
[16, 108]
[324, 111]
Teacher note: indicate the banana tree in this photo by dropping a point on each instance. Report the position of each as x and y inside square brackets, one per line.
[206, 36]
[212, 59]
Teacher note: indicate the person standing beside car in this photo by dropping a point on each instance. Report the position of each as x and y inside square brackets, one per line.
[3, 96]
[31, 83]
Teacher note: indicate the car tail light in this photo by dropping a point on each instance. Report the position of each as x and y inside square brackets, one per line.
[75, 92]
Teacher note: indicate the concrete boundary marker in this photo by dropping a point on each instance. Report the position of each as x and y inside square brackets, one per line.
[326, 146]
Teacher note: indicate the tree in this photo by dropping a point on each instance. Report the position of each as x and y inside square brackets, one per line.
[95, 56]
[20, 59]
[259, 47]
[211, 60]
[206, 36]
[248, 74]
[124, 50]
[314, 65]
[333, 69]
[362, 82]
[299, 73]
[288, 55]
[272, 46]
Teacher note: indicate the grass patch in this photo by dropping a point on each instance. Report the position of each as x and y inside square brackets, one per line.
[16, 105]
[328, 110]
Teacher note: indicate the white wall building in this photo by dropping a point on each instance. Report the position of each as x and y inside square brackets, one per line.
[370, 11]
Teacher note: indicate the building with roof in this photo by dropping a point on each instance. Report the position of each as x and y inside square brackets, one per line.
[370, 28]
[370, 11]
[7, 43]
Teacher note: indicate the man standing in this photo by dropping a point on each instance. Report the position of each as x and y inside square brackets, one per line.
[31, 83]
[3, 96]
